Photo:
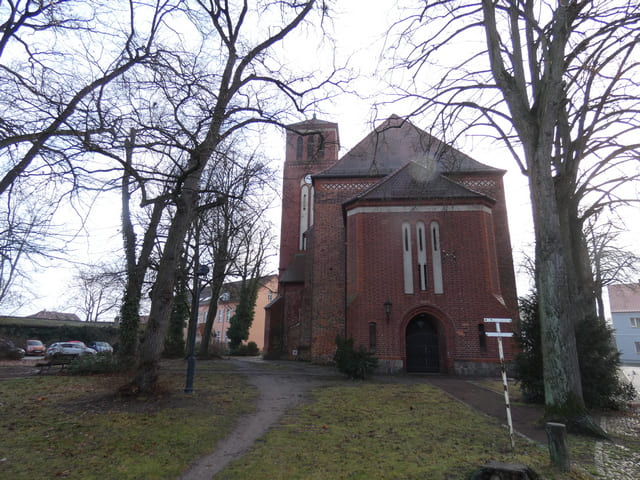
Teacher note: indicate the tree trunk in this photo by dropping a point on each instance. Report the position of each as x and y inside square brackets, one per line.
[218, 276]
[162, 299]
[563, 391]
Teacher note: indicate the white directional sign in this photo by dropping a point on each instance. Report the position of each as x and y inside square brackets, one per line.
[500, 335]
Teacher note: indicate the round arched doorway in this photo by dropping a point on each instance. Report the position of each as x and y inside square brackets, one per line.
[423, 350]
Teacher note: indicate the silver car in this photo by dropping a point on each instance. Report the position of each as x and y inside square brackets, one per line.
[101, 347]
[71, 349]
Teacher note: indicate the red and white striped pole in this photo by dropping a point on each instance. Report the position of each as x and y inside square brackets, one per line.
[499, 335]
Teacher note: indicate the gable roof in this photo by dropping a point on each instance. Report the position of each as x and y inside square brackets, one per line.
[416, 181]
[396, 142]
[47, 315]
[624, 297]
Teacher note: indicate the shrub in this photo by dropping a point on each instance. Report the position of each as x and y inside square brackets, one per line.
[103, 362]
[355, 364]
[597, 355]
[252, 349]
[249, 350]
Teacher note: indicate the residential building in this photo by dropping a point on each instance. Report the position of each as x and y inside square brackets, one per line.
[624, 302]
[227, 305]
[402, 244]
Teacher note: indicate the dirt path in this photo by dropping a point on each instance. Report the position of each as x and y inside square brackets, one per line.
[281, 388]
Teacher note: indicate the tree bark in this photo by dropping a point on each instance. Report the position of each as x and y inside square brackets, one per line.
[162, 298]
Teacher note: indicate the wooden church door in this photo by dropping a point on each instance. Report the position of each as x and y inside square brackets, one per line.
[423, 352]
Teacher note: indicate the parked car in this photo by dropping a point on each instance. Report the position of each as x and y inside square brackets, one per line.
[9, 350]
[71, 348]
[101, 347]
[35, 347]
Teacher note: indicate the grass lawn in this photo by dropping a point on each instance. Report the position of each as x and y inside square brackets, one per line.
[74, 427]
[375, 431]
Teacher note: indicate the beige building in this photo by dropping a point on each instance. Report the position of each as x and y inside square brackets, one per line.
[226, 307]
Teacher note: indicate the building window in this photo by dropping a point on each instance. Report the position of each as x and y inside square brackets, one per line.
[421, 241]
[311, 146]
[220, 316]
[320, 147]
[372, 336]
[482, 337]
[436, 259]
[304, 214]
[229, 312]
[637, 347]
[299, 148]
[635, 322]
[270, 296]
[311, 199]
[407, 263]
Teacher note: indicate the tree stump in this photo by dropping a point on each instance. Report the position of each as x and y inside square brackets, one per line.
[558, 445]
[504, 471]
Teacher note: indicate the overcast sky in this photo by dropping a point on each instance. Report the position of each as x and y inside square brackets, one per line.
[359, 29]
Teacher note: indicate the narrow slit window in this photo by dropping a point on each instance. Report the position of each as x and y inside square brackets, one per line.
[407, 262]
[299, 148]
[372, 336]
[482, 338]
[436, 259]
[304, 215]
[320, 147]
[422, 255]
[311, 146]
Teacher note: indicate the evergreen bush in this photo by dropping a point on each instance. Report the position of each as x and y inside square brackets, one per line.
[103, 362]
[598, 357]
[355, 364]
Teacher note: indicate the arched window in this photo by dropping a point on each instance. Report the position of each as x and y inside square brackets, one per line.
[304, 214]
[299, 148]
[311, 147]
[406, 258]
[421, 241]
[311, 195]
[436, 258]
[320, 147]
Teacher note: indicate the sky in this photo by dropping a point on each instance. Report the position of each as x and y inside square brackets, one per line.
[359, 28]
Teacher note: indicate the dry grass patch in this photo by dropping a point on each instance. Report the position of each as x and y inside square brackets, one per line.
[61, 426]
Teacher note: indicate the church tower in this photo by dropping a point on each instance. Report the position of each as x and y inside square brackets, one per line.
[312, 146]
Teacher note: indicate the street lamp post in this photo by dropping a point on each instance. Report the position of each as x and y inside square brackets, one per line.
[201, 271]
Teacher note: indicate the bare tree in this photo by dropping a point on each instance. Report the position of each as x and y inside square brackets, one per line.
[243, 180]
[221, 81]
[56, 58]
[554, 82]
[96, 291]
[610, 262]
[25, 234]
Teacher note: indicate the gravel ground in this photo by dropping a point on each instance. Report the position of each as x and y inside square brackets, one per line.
[613, 460]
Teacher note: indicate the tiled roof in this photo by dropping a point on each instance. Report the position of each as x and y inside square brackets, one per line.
[415, 181]
[624, 297]
[396, 142]
[47, 315]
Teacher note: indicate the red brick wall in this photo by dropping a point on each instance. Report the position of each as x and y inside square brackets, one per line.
[294, 172]
[329, 262]
[470, 281]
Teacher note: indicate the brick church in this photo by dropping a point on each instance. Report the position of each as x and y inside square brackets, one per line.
[402, 244]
